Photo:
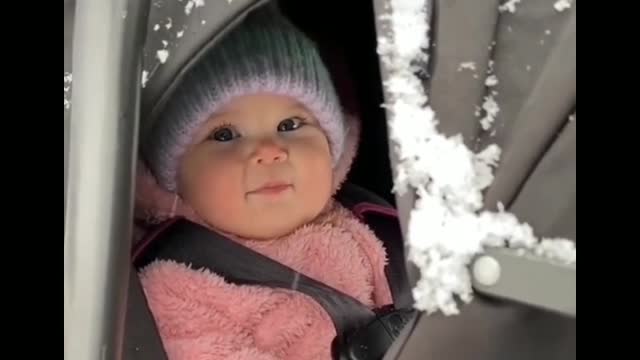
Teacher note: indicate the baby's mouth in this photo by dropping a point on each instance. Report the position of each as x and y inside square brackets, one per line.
[272, 188]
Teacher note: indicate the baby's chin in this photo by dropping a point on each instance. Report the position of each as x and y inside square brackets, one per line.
[264, 228]
[271, 230]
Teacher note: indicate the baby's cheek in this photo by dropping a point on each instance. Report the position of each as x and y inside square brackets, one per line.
[317, 172]
[219, 197]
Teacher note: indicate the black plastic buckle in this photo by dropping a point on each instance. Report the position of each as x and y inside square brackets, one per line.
[372, 341]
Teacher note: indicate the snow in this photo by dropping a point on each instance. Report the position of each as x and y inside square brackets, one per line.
[491, 80]
[528, 67]
[180, 34]
[491, 108]
[562, 5]
[165, 43]
[561, 250]
[191, 4]
[169, 23]
[469, 65]
[68, 78]
[162, 55]
[448, 225]
[156, 27]
[188, 7]
[547, 32]
[203, 22]
[145, 78]
[572, 117]
[509, 5]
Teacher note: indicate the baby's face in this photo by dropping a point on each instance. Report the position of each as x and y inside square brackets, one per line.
[259, 168]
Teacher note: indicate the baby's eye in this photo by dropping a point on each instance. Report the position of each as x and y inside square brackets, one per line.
[223, 134]
[290, 124]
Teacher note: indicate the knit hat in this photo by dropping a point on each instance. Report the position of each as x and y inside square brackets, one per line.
[263, 54]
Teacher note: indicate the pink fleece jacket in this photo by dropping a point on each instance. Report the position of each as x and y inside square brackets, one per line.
[200, 316]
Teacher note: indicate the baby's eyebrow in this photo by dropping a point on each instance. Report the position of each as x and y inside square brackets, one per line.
[302, 109]
[217, 118]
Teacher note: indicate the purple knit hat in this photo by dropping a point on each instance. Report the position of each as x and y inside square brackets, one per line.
[264, 54]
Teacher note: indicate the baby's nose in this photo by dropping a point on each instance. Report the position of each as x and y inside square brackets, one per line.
[268, 152]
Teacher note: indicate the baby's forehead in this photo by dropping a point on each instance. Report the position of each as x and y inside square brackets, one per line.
[265, 107]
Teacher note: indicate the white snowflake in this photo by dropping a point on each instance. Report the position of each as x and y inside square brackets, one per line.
[191, 4]
[562, 5]
[447, 226]
[156, 27]
[491, 108]
[145, 78]
[165, 43]
[509, 5]
[188, 7]
[469, 65]
[162, 55]
[179, 34]
[491, 80]
[572, 117]
[169, 23]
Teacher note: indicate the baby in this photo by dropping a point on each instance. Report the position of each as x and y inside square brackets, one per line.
[254, 145]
